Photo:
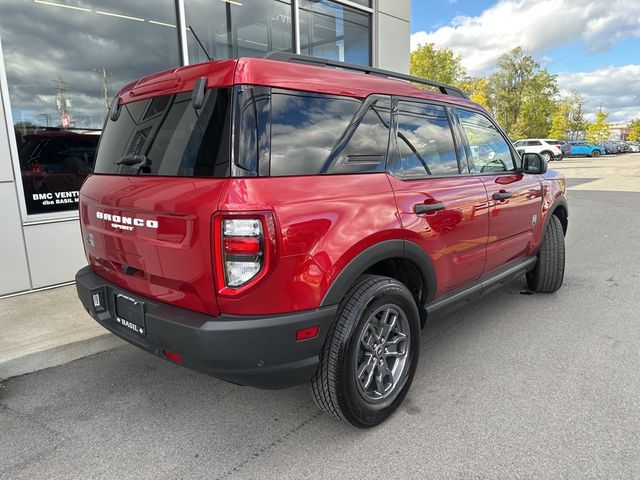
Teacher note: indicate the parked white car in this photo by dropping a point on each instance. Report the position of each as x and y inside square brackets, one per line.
[539, 145]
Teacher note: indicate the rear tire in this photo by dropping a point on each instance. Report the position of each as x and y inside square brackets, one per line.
[548, 274]
[595, 153]
[548, 156]
[371, 352]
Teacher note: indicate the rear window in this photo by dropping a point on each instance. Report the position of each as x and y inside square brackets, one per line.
[167, 136]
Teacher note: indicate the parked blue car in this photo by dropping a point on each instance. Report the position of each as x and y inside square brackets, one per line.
[586, 148]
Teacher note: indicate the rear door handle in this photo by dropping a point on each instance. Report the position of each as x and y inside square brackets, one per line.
[502, 195]
[428, 207]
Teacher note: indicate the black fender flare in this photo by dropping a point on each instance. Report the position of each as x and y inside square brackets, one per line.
[558, 202]
[372, 255]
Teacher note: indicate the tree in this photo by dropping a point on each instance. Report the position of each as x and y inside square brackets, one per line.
[634, 130]
[560, 124]
[577, 122]
[521, 95]
[439, 65]
[568, 120]
[477, 88]
[538, 106]
[598, 131]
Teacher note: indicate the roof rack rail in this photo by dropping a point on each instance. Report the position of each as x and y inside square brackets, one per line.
[323, 62]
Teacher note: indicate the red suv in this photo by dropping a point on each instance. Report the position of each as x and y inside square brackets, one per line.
[285, 220]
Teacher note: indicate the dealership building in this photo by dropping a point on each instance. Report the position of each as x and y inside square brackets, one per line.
[62, 60]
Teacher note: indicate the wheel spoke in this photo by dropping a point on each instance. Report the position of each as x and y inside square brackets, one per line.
[367, 341]
[372, 371]
[388, 326]
[393, 347]
[363, 368]
[383, 373]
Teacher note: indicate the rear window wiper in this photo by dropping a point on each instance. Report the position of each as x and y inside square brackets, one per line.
[134, 160]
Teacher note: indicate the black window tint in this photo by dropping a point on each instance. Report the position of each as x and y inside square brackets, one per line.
[425, 141]
[252, 128]
[489, 151]
[304, 130]
[175, 138]
[366, 149]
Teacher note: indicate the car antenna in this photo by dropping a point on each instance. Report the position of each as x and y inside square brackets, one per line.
[200, 43]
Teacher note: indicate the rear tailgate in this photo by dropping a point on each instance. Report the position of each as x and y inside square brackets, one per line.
[153, 236]
[161, 164]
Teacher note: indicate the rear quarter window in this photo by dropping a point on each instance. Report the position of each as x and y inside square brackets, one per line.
[304, 130]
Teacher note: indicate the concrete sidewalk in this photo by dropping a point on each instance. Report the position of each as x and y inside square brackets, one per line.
[48, 328]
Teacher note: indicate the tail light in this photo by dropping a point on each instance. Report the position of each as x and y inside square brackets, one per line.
[243, 247]
[242, 253]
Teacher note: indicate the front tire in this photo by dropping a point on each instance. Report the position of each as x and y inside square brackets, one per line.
[548, 274]
[371, 352]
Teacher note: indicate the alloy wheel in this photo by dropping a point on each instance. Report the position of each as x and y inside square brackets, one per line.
[382, 353]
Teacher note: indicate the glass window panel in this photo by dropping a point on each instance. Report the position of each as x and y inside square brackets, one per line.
[246, 28]
[490, 152]
[176, 141]
[64, 59]
[304, 130]
[367, 148]
[334, 31]
[425, 141]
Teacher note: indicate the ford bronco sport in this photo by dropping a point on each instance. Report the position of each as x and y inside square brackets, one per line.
[281, 220]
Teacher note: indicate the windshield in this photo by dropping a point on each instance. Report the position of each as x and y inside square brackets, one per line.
[167, 136]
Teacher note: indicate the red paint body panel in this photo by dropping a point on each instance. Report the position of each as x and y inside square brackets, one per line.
[322, 223]
[174, 260]
[455, 238]
[513, 221]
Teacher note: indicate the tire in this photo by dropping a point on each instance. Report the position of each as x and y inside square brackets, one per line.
[548, 156]
[595, 153]
[548, 274]
[353, 346]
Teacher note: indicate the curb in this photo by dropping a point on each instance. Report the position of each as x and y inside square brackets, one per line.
[59, 355]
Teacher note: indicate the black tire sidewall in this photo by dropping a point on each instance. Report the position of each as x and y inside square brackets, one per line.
[354, 406]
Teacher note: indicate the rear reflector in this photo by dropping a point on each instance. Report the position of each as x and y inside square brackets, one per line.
[173, 356]
[307, 333]
[242, 245]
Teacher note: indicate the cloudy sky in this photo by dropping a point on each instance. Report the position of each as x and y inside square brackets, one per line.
[592, 45]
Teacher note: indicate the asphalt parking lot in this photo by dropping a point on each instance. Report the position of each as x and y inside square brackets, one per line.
[513, 386]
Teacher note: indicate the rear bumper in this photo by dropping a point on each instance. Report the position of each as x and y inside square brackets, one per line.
[256, 351]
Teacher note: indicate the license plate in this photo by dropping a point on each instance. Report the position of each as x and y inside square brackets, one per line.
[130, 313]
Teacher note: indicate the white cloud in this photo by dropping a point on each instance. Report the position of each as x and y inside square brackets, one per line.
[543, 25]
[538, 25]
[617, 89]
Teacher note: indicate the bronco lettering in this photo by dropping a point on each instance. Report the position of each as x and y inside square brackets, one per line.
[120, 219]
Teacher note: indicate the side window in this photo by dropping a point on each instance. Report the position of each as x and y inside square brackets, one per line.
[489, 151]
[305, 129]
[535, 143]
[366, 150]
[425, 141]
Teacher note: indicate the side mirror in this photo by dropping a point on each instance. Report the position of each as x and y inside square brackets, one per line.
[533, 163]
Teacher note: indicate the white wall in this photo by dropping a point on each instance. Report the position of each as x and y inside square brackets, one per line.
[55, 252]
[393, 35]
[14, 271]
